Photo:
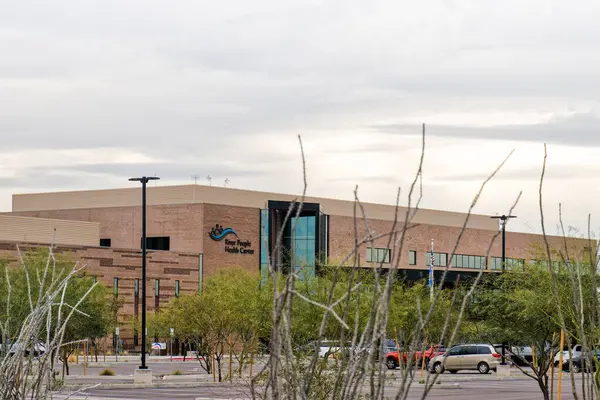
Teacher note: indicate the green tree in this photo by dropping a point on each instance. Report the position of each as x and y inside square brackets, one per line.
[520, 308]
[231, 314]
[27, 283]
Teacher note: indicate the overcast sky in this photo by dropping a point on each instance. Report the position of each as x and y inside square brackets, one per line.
[93, 92]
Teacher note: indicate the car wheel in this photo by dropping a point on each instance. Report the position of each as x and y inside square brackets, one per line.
[427, 360]
[483, 368]
[576, 369]
[391, 363]
[438, 368]
[453, 371]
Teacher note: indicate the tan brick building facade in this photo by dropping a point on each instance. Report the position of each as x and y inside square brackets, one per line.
[181, 219]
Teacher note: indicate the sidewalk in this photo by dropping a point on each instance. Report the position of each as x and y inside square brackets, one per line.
[114, 359]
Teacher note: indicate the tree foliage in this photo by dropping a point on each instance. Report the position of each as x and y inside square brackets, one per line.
[231, 314]
[27, 283]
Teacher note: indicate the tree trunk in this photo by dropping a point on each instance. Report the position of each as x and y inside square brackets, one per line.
[219, 367]
[65, 360]
[544, 387]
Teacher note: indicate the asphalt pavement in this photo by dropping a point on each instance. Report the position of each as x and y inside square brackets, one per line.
[518, 389]
[463, 386]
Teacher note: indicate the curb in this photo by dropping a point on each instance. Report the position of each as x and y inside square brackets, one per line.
[106, 386]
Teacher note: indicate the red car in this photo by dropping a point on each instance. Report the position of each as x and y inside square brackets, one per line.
[392, 360]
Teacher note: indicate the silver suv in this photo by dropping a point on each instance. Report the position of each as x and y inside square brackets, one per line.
[478, 357]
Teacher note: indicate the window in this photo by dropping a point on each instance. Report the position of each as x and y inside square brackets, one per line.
[470, 350]
[467, 261]
[136, 298]
[439, 259]
[116, 286]
[483, 350]
[454, 351]
[104, 242]
[555, 264]
[302, 241]
[157, 243]
[264, 244]
[412, 257]
[156, 295]
[511, 263]
[376, 255]
[176, 288]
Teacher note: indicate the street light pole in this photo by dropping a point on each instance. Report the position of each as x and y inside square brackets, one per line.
[504, 218]
[144, 180]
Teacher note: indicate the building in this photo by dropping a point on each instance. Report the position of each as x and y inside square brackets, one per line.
[195, 230]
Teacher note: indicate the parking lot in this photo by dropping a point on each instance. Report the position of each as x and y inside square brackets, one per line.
[490, 389]
[465, 385]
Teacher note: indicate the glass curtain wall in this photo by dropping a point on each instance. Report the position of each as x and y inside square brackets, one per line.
[264, 245]
[304, 239]
[301, 236]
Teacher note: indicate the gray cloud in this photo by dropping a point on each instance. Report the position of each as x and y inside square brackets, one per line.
[81, 175]
[366, 179]
[223, 88]
[528, 174]
[580, 129]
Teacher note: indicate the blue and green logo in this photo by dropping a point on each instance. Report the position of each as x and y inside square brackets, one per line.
[218, 233]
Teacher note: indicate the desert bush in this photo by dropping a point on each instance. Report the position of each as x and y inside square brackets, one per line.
[107, 372]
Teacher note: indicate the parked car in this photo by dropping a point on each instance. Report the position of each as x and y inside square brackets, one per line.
[36, 349]
[392, 359]
[516, 355]
[576, 351]
[583, 362]
[389, 345]
[479, 357]
[327, 348]
[523, 355]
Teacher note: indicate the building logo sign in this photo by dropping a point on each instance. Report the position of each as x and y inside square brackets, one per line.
[218, 233]
[234, 246]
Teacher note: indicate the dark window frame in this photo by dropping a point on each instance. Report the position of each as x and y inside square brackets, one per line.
[161, 243]
[468, 261]
[412, 254]
[496, 263]
[437, 259]
[383, 255]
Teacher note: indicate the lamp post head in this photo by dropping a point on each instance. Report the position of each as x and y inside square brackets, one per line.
[503, 217]
[144, 179]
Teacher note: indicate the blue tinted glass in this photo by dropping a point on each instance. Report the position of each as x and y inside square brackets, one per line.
[311, 226]
[310, 250]
[301, 228]
[300, 252]
[264, 233]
